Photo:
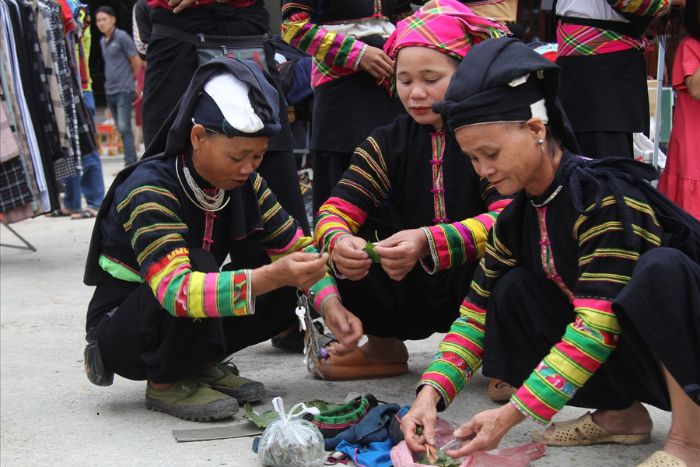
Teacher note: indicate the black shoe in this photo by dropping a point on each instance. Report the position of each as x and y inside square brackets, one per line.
[291, 342]
[95, 369]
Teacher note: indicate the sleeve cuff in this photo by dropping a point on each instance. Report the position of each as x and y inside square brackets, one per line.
[430, 263]
[442, 403]
[356, 64]
[250, 296]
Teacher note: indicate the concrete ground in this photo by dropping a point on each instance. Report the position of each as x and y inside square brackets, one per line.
[50, 414]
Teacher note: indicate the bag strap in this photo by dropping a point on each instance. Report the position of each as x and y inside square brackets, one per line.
[201, 40]
[173, 33]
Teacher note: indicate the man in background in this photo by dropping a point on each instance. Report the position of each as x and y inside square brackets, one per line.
[122, 65]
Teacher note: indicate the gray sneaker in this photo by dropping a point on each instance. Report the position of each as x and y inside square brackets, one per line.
[191, 400]
[224, 378]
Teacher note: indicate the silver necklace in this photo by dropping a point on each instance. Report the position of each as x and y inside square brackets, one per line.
[549, 198]
[202, 200]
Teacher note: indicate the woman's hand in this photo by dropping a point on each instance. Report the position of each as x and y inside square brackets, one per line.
[349, 259]
[298, 269]
[179, 5]
[423, 414]
[345, 326]
[401, 251]
[486, 429]
[377, 63]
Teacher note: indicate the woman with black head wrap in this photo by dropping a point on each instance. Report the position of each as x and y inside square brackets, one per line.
[162, 310]
[589, 290]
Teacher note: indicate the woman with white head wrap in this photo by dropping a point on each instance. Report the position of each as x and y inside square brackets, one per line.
[164, 231]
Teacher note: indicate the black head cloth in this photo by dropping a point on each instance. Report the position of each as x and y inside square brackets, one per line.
[503, 80]
[209, 108]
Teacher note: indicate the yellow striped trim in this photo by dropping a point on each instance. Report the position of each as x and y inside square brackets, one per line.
[195, 295]
[608, 253]
[146, 189]
[155, 227]
[567, 368]
[175, 263]
[157, 243]
[145, 207]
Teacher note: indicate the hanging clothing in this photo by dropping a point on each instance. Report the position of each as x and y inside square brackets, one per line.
[603, 74]
[680, 180]
[586, 235]
[414, 177]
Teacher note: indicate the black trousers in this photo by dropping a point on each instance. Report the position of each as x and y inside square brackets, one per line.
[140, 340]
[659, 314]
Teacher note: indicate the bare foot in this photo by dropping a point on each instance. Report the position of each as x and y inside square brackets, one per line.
[160, 386]
[634, 420]
[685, 448]
[385, 350]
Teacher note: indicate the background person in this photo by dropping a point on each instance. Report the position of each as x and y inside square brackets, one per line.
[350, 73]
[680, 179]
[122, 65]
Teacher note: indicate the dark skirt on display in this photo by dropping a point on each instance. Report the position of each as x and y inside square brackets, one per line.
[605, 97]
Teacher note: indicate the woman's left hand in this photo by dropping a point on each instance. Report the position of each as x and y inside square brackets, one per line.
[400, 252]
[346, 327]
[486, 429]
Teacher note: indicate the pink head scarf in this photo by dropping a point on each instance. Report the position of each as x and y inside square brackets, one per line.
[446, 26]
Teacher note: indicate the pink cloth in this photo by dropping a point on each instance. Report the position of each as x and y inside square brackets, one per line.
[680, 180]
[448, 26]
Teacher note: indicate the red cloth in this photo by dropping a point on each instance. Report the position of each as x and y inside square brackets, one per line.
[233, 3]
[68, 23]
[680, 180]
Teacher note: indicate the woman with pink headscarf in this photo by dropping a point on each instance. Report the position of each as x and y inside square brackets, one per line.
[411, 173]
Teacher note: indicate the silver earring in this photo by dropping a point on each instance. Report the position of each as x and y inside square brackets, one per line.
[540, 142]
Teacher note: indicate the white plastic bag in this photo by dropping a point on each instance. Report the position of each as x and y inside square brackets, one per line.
[292, 441]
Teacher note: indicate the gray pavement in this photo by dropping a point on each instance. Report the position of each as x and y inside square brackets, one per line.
[51, 415]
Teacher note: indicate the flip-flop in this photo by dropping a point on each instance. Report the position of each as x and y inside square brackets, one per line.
[354, 365]
[87, 214]
[662, 459]
[583, 431]
[60, 213]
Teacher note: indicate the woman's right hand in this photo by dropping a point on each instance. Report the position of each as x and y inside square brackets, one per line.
[423, 414]
[349, 259]
[377, 63]
[299, 269]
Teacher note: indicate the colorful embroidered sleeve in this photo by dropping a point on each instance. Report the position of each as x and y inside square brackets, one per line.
[463, 241]
[642, 7]
[327, 47]
[462, 349]
[605, 265]
[363, 188]
[282, 235]
[150, 215]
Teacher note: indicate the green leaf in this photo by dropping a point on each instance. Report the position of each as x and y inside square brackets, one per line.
[262, 420]
[373, 255]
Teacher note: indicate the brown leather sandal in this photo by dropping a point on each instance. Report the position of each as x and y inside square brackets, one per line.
[500, 391]
[583, 431]
[355, 365]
